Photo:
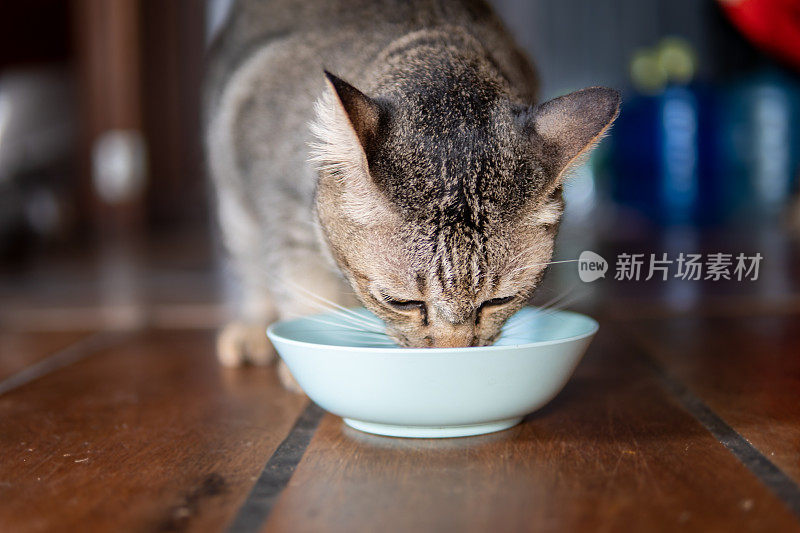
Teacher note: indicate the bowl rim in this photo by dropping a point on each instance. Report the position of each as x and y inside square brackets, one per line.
[399, 350]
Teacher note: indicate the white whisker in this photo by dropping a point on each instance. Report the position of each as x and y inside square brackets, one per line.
[334, 312]
[374, 334]
[539, 315]
[324, 304]
[338, 325]
[531, 265]
[341, 308]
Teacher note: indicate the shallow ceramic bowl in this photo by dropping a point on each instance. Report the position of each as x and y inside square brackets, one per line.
[381, 388]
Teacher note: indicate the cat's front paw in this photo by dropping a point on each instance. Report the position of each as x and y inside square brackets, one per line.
[244, 342]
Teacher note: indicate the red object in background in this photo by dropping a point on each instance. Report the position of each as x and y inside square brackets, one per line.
[773, 25]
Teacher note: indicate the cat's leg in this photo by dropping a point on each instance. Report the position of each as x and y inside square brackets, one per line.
[244, 339]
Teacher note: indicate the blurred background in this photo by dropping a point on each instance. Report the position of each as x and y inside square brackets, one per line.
[103, 197]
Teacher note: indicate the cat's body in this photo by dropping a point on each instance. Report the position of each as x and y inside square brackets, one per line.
[422, 169]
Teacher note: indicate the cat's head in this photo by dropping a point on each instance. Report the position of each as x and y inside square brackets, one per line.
[441, 206]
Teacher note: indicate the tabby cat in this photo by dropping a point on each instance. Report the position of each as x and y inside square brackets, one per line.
[387, 152]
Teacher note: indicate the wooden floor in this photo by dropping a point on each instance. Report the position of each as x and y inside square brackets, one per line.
[114, 415]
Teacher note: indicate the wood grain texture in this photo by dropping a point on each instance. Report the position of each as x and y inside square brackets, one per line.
[146, 432]
[20, 350]
[117, 286]
[150, 435]
[747, 369]
[611, 453]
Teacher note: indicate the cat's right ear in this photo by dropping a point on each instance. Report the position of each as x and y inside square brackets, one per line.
[567, 127]
[362, 111]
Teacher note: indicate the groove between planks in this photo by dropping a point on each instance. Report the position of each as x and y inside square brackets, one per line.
[277, 472]
[765, 470]
[60, 359]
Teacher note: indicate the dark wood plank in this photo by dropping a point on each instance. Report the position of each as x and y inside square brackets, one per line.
[746, 368]
[119, 287]
[66, 319]
[612, 453]
[169, 283]
[148, 435]
[20, 350]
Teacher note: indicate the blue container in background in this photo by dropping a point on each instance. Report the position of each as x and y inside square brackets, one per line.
[657, 157]
[704, 155]
[759, 139]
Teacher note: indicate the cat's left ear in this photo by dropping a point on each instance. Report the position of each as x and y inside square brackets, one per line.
[362, 111]
[346, 128]
[571, 125]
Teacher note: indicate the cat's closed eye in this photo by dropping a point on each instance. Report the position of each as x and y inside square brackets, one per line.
[403, 305]
[495, 302]
[490, 304]
[407, 305]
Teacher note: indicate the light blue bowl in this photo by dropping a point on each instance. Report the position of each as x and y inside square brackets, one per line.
[381, 388]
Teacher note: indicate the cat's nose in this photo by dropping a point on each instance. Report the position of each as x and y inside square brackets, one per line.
[461, 337]
[452, 327]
